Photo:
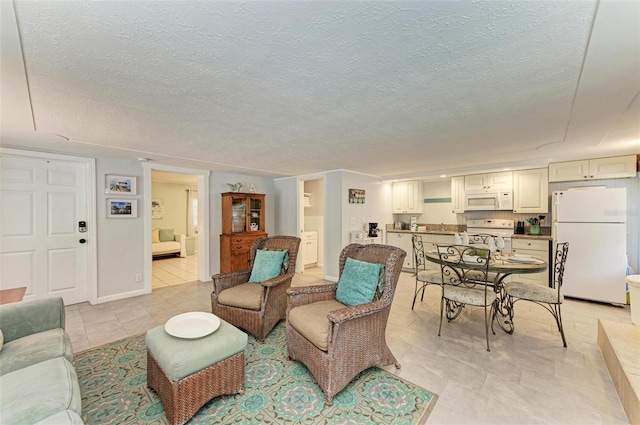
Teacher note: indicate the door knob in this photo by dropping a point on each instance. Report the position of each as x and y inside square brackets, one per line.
[83, 240]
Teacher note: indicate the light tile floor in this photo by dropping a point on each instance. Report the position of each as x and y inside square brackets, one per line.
[528, 377]
[173, 270]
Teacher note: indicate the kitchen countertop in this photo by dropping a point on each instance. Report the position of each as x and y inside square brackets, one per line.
[452, 232]
[534, 237]
[424, 232]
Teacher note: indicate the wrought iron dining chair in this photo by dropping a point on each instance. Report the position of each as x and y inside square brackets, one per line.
[483, 240]
[424, 276]
[465, 281]
[549, 298]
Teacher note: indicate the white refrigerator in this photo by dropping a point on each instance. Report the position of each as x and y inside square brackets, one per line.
[594, 222]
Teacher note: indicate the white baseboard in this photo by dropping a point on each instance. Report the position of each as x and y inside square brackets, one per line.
[121, 296]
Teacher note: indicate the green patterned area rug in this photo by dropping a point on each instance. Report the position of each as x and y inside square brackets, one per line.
[277, 391]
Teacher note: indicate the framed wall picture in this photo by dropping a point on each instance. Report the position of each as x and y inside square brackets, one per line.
[122, 208]
[157, 209]
[356, 196]
[122, 185]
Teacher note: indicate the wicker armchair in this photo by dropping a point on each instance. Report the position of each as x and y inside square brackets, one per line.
[355, 335]
[270, 295]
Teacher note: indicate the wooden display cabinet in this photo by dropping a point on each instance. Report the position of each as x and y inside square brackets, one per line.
[243, 221]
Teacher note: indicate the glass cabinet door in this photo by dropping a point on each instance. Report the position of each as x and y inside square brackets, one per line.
[256, 215]
[239, 215]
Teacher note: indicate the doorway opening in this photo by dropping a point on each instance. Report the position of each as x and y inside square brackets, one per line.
[174, 217]
[312, 193]
[178, 212]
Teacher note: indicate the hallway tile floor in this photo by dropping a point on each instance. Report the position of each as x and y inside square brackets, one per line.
[168, 271]
[526, 378]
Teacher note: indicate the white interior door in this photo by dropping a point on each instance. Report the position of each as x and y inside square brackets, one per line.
[42, 202]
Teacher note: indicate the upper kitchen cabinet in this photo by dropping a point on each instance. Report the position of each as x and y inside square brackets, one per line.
[457, 194]
[502, 180]
[588, 169]
[531, 191]
[407, 197]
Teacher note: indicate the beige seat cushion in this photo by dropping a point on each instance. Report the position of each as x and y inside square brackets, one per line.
[533, 292]
[245, 295]
[430, 276]
[471, 296]
[311, 321]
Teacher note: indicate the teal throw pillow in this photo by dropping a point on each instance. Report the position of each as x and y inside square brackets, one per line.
[267, 265]
[166, 235]
[381, 282]
[358, 282]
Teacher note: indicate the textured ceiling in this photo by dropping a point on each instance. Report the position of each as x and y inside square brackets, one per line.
[394, 89]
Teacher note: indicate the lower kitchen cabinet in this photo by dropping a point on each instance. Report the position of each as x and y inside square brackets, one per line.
[535, 248]
[403, 241]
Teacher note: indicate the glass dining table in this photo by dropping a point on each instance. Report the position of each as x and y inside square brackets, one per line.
[500, 267]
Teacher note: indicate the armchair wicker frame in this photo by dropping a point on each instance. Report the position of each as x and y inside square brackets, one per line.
[273, 303]
[356, 334]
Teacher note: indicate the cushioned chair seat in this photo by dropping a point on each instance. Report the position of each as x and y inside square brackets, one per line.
[37, 392]
[430, 276]
[472, 296]
[32, 349]
[311, 321]
[245, 295]
[533, 292]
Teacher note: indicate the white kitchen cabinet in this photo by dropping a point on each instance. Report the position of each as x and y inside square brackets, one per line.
[407, 197]
[403, 241]
[457, 194]
[309, 247]
[531, 191]
[535, 248]
[590, 169]
[502, 180]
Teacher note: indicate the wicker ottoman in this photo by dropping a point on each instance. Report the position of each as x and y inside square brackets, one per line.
[187, 373]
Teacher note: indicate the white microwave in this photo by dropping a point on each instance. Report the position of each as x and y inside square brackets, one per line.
[487, 201]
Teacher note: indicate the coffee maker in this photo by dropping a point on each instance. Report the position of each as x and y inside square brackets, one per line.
[373, 230]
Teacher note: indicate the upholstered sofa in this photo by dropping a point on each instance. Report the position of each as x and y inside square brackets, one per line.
[165, 242]
[38, 384]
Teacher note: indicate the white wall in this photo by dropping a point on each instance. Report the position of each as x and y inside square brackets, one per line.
[341, 217]
[120, 240]
[440, 212]
[174, 197]
[334, 203]
[286, 206]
